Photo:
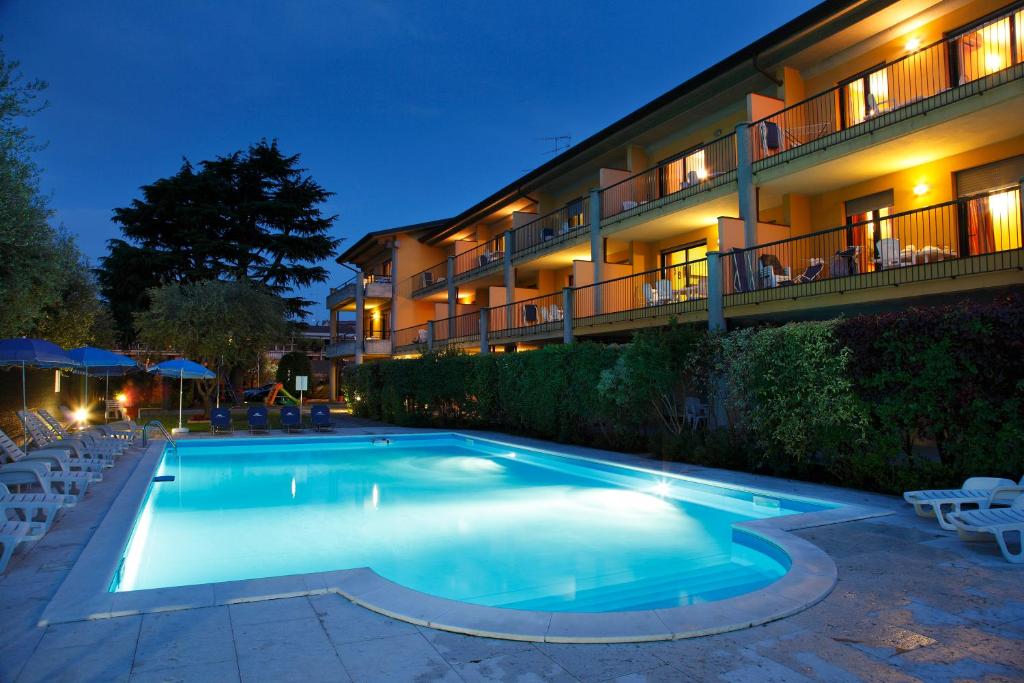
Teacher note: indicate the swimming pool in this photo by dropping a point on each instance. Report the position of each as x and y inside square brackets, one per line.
[464, 518]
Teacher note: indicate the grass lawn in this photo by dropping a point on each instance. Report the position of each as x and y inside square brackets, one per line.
[238, 419]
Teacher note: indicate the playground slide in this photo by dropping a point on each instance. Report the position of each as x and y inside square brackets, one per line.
[286, 398]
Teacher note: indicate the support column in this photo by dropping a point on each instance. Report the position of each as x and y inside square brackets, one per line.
[567, 315]
[510, 271]
[453, 291]
[485, 319]
[430, 335]
[332, 381]
[596, 246]
[360, 315]
[745, 184]
[716, 309]
[394, 291]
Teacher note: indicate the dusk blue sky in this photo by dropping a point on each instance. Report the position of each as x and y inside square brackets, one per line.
[408, 111]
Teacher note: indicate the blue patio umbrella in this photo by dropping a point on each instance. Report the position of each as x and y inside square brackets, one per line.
[95, 362]
[183, 369]
[35, 353]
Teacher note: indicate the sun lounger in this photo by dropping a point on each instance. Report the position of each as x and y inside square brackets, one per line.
[39, 478]
[1000, 522]
[977, 492]
[116, 438]
[320, 418]
[59, 468]
[220, 420]
[35, 508]
[814, 268]
[291, 419]
[11, 534]
[258, 419]
[84, 452]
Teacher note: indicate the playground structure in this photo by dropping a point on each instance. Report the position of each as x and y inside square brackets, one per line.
[286, 398]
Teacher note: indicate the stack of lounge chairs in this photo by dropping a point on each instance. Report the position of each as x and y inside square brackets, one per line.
[983, 507]
[39, 482]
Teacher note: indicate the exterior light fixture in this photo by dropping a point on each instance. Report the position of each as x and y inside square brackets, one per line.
[702, 173]
[993, 62]
[921, 189]
[81, 415]
[913, 44]
[122, 398]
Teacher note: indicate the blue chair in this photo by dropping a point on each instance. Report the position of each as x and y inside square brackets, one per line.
[258, 419]
[291, 419]
[220, 420]
[320, 418]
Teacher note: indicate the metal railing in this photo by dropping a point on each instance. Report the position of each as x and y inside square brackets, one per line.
[159, 426]
[463, 327]
[552, 229]
[411, 337]
[432, 279]
[943, 72]
[485, 256]
[680, 288]
[961, 237]
[537, 315]
[694, 171]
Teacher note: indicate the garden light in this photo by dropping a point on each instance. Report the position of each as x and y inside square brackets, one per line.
[81, 415]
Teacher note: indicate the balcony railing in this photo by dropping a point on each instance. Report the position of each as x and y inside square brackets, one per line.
[697, 170]
[483, 257]
[409, 338]
[552, 229]
[962, 237]
[428, 281]
[464, 327]
[680, 288]
[935, 75]
[538, 315]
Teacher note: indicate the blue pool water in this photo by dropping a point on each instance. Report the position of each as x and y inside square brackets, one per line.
[467, 519]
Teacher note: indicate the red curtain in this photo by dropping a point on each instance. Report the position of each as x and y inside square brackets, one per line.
[981, 236]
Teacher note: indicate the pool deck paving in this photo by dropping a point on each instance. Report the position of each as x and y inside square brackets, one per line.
[912, 603]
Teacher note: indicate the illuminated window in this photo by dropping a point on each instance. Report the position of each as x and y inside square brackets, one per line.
[866, 218]
[677, 265]
[866, 96]
[989, 48]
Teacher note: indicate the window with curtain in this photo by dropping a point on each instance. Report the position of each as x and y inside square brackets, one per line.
[677, 266]
[867, 225]
[990, 47]
[990, 219]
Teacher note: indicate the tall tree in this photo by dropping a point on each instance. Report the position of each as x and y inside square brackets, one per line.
[251, 215]
[46, 287]
[222, 324]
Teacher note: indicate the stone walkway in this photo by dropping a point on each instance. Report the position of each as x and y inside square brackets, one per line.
[913, 603]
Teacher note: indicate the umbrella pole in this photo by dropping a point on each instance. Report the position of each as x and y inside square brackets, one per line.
[106, 396]
[24, 407]
[181, 396]
[86, 377]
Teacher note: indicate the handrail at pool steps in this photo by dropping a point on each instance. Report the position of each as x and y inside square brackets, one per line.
[966, 236]
[157, 424]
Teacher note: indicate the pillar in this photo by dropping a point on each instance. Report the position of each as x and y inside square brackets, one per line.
[453, 291]
[510, 272]
[596, 246]
[716, 293]
[745, 184]
[485, 319]
[360, 315]
[430, 335]
[567, 315]
[394, 291]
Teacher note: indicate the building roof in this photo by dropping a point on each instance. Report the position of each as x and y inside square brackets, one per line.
[828, 10]
[370, 239]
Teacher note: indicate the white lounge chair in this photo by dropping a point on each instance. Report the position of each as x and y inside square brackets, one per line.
[58, 466]
[977, 492]
[115, 432]
[35, 508]
[649, 296]
[11, 534]
[999, 522]
[82, 450]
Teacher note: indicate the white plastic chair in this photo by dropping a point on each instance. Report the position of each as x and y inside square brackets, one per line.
[976, 492]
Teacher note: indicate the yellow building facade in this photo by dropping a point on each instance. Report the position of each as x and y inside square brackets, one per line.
[864, 156]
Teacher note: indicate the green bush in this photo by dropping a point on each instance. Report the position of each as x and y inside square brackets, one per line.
[293, 364]
[923, 397]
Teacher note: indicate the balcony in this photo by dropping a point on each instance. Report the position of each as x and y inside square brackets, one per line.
[537, 318]
[976, 235]
[691, 173]
[346, 348]
[429, 281]
[457, 330]
[928, 79]
[374, 287]
[480, 260]
[551, 231]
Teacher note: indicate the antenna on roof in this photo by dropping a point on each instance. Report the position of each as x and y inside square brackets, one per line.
[559, 143]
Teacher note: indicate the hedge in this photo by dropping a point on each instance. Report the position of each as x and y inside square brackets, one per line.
[922, 397]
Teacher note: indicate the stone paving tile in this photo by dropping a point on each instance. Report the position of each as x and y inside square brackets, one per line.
[218, 672]
[90, 632]
[295, 650]
[398, 658]
[246, 613]
[661, 674]
[458, 648]
[346, 622]
[197, 636]
[602, 662]
[108, 662]
[524, 666]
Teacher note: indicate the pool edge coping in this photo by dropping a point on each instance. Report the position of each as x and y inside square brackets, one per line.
[811, 577]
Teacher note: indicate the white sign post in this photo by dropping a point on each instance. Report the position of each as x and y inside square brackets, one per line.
[301, 385]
